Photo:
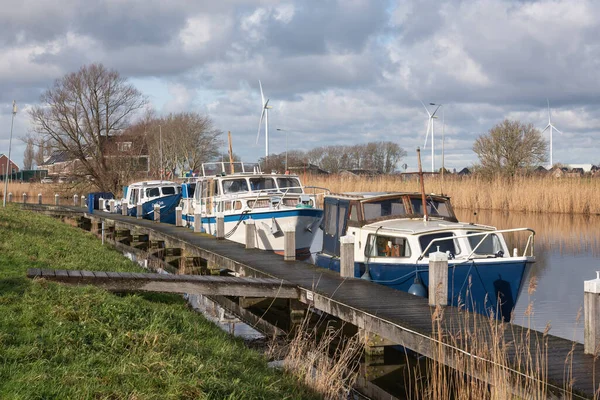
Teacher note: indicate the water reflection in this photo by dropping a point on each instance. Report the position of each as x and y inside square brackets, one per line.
[567, 249]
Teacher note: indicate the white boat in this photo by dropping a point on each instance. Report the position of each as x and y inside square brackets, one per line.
[240, 191]
[167, 194]
[394, 236]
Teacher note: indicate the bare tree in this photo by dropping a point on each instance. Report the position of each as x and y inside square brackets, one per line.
[510, 146]
[80, 114]
[29, 155]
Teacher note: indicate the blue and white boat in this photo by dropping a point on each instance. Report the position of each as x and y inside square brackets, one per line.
[166, 194]
[240, 191]
[393, 238]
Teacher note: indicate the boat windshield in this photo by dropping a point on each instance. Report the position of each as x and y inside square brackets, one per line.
[384, 208]
[257, 184]
[443, 245]
[490, 245]
[292, 185]
[435, 208]
[168, 190]
[235, 185]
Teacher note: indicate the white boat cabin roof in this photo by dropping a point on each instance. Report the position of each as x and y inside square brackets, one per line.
[153, 183]
[417, 226]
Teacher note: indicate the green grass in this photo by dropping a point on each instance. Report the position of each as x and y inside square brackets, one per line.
[60, 342]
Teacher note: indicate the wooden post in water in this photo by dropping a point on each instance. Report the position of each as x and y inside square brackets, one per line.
[24, 197]
[220, 226]
[39, 198]
[591, 312]
[82, 204]
[124, 206]
[56, 199]
[75, 200]
[438, 279]
[139, 211]
[157, 213]
[289, 243]
[178, 216]
[347, 256]
[197, 222]
[250, 234]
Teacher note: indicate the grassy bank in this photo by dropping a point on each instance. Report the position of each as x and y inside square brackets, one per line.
[59, 342]
[528, 194]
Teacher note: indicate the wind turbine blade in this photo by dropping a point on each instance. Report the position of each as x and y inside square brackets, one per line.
[262, 97]
[557, 130]
[262, 114]
[547, 126]
[427, 111]
[549, 117]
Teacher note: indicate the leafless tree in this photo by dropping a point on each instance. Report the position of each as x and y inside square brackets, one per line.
[80, 114]
[29, 155]
[510, 146]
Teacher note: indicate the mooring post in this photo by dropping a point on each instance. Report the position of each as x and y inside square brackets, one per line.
[75, 200]
[220, 226]
[250, 234]
[103, 232]
[56, 199]
[197, 222]
[157, 213]
[112, 206]
[10, 197]
[101, 204]
[82, 204]
[591, 312]
[347, 256]
[124, 206]
[24, 197]
[139, 211]
[178, 216]
[438, 279]
[289, 243]
[39, 198]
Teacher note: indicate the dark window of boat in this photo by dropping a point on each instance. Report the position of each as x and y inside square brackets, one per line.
[262, 183]
[330, 223]
[292, 185]
[353, 213]
[384, 208]
[168, 190]
[191, 190]
[435, 208]
[387, 246]
[489, 246]
[448, 245]
[152, 192]
[235, 186]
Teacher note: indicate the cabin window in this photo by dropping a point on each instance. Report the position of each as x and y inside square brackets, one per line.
[435, 208]
[168, 190]
[191, 190]
[447, 245]
[384, 208]
[152, 192]
[353, 213]
[262, 184]
[237, 205]
[490, 245]
[330, 223]
[135, 196]
[387, 246]
[235, 186]
[291, 185]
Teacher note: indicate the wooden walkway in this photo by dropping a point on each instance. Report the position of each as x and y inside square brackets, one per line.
[166, 283]
[394, 315]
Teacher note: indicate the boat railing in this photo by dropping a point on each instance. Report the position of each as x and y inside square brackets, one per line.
[528, 246]
[218, 168]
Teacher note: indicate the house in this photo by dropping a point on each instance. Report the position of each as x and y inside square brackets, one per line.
[584, 167]
[558, 172]
[59, 162]
[575, 173]
[464, 172]
[541, 170]
[12, 166]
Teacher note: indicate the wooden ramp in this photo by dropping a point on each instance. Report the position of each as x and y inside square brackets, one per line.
[191, 284]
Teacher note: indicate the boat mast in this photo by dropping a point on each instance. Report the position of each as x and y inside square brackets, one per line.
[230, 152]
[422, 185]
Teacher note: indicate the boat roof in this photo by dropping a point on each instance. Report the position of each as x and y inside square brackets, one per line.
[154, 183]
[419, 226]
[365, 196]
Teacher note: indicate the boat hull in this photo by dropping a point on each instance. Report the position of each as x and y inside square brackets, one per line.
[269, 227]
[167, 209]
[475, 285]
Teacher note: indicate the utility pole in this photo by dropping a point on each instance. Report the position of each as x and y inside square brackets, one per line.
[12, 121]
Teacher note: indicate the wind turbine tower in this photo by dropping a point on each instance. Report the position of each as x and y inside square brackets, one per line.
[430, 124]
[264, 114]
[552, 128]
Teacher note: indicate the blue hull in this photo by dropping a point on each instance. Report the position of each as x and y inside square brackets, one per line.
[475, 286]
[167, 209]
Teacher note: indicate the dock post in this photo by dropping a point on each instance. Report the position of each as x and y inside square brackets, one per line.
[289, 243]
[250, 234]
[140, 211]
[24, 197]
[82, 204]
[101, 204]
[56, 199]
[178, 220]
[39, 198]
[591, 312]
[197, 222]
[347, 256]
[75, 200]
[157, 213]
[438, 279]
[124, 206]
[112, 206]
[220, 226]
[10, 197]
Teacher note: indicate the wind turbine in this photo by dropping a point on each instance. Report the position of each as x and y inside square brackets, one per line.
[430, 124]
[552, 127]
[264, 114]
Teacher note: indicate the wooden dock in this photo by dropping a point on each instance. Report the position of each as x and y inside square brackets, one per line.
[392, 315]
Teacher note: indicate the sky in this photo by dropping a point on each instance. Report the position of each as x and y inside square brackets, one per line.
[334, 71]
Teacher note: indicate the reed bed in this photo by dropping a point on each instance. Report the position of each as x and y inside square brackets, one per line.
[525, 194]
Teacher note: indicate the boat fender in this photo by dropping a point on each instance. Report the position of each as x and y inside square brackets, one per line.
[417, 288]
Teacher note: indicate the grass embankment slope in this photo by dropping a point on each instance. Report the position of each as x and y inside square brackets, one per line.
[59, 342]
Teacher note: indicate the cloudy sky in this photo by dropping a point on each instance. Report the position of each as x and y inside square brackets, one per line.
[335, 71]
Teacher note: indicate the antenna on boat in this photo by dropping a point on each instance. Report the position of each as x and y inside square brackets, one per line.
[422, 185]
[230, 152]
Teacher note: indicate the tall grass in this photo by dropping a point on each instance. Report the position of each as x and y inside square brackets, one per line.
[526, 194]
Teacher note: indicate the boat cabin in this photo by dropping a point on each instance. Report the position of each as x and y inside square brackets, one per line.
[142, 192]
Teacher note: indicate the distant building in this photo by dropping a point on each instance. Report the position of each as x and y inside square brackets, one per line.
[12, 166]
[465, 171]
[584, 167]
[308, 168]
[360, 172]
